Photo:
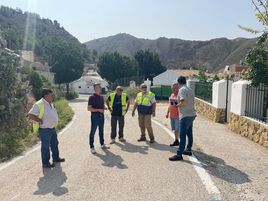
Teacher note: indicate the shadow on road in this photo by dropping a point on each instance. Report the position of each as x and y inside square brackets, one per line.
[52, 182]
[162, 147]
[132, 148]
[218, 168]
[111, 160]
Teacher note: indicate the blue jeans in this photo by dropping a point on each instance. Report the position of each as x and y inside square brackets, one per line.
[186, 129]
[97, 120]
[175, 124]
[49, 140]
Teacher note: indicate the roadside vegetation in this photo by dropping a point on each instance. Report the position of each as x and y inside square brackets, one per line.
[19, 88]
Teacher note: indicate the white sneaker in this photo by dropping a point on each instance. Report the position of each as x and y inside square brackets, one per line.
[112, 141]
[105, 146]
[93, 150]
[121, 139]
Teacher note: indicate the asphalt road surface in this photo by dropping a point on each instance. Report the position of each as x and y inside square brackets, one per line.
[225, 166]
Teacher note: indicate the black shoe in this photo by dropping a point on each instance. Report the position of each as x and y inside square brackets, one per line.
[49, 165]
[176, 158]
[60, 160]
[175, 143]
[142, 139]
[188, 153]
[152, 141]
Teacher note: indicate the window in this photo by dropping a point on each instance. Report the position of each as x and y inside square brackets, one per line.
[79, 87]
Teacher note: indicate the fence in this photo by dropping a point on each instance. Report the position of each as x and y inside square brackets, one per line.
[161, 92]
[257, 103]
[203, 90]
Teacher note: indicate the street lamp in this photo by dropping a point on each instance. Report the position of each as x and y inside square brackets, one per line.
[227, 76]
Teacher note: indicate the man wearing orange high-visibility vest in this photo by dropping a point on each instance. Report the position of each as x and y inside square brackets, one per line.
[45, 118]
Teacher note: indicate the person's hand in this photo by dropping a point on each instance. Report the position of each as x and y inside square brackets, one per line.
[167, 116]
[153, 114]
[40, 121]
[133, 113]
[101, 110]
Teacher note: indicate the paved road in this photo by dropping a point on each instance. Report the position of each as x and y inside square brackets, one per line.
[233, 168]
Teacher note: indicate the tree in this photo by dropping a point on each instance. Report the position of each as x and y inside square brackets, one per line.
[113, 66]
[202, 74]
[261, 7]
[94, 56]
[13, 101]
[216, 78]
[37, 84]
[149, 64]
[257, 58]
[67, 64]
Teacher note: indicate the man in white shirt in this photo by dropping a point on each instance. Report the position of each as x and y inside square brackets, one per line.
[44, 113]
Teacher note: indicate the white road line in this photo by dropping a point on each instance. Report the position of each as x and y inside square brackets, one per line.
[204, 176]
[25, 154]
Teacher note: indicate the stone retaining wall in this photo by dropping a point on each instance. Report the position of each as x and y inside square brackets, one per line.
[250, 128]
[208, 110]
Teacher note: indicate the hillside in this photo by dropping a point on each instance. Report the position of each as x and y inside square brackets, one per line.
[28, 31]
[176, 53]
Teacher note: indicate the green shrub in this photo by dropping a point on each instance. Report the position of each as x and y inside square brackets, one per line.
[71, 95]
[14, 126]
[65, 112]
[14, 142]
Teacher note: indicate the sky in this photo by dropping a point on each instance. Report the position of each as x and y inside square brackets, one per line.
[150, 19]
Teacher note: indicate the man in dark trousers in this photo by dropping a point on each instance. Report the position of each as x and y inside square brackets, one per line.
[45, 116]
[187, 117]
[96, 106]
[118, 105]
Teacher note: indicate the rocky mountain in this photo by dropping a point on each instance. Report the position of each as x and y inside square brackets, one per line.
[177, 53]
[29, 31]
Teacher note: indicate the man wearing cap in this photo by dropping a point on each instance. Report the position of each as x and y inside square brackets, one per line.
[187, 117]
[145, 103]
[96, 106]
[45, 117]
[118, 105]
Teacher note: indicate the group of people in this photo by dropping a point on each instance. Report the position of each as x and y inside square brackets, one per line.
[181, 112]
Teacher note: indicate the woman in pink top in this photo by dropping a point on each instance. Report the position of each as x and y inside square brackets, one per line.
[173, 113]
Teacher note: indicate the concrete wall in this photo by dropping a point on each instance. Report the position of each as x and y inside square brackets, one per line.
[219, 93]
[238, 101]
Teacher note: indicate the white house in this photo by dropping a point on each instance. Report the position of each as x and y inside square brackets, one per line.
[85, 83]
[170, 76]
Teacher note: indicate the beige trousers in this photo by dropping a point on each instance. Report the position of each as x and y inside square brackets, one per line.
[146, 123]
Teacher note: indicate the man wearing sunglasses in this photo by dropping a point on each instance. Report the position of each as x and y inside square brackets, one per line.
[145, 103]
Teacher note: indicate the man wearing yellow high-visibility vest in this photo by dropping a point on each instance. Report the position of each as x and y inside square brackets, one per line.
[118, 104]
[45, 118]
[146, 104]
